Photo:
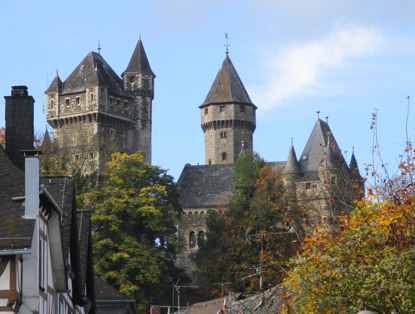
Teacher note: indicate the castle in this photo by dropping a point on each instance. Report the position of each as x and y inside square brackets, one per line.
[95, 113]
[321, 178]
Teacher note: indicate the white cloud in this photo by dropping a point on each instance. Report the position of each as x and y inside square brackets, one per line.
[296, 69]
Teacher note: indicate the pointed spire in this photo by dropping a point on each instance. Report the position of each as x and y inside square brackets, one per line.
[329, 162]
[227, 87]
[139, 62]
[56, 85]
[354, 169]
[292, 164]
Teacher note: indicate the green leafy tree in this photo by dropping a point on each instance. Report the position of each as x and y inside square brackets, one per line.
[251, 236]
[369, 264]
[134, 211]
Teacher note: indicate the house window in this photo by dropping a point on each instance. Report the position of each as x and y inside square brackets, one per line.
[42, 263]
[223, 155]
[78, 101]
[200, 238]
[67, 102]
[111, 100]
[222, 108]
[242, 108]
[132, 79]
[52, 104]
[308, 185]
[112, 133]
[206, 111]
[223, 134]
[192, 239]
[210, 162]
[91, 155]
[91, 98]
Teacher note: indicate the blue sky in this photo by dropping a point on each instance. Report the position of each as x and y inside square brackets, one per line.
[342, 58]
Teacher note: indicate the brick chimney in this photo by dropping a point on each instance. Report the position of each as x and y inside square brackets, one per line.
[155, 309]
[19, 124]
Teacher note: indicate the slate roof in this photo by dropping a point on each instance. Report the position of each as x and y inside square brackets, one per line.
[139, 61]
[227, 87]
[55, 86]
[105, 292]
[313, 155]
[15, 232]
[93, 71]
[205, 186]
[292, 164]
[84, 230]
[62, 189]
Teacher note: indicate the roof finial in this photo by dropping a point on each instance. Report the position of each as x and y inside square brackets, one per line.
[57, 73]
[318, 115]
[353, 150]
[227, 43]
[292, 140]
[327, 119]
[139, 37]
[99, 47]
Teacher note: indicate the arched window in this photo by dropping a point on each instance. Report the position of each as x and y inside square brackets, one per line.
[200, 238]
[192, 239]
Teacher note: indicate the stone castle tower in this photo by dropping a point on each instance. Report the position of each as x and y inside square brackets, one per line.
[321, 178]
[95, 113]
[228, 117]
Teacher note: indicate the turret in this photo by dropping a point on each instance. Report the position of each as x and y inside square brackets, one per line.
[291, 173]
[138, 80]
[357, 180]
[228, 117]
[328, 170]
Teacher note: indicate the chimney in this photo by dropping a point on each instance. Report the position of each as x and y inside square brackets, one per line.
[31, 183]
[19, 124]
[155, 309]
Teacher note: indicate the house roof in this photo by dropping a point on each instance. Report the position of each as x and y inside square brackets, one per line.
[139, 62]
[105, 292]
[92, 71]
[269, 302]
[62, 189]
[15, 231]
[205, 186]
[227, 87]
[84, 230]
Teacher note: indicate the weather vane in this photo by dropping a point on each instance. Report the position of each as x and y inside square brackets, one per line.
[227, 43]
[99, 47]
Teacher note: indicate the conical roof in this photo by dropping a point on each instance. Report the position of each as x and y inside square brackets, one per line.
[354, 169]
[55, 86]
[317, 145]
[93, 71]
[139, 62]
[292, 164]
[227, 87]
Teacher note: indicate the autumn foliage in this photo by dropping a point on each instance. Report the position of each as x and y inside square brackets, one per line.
[369, 264]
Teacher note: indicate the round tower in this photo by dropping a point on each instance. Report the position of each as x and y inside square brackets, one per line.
[228, 117]
[291, 173]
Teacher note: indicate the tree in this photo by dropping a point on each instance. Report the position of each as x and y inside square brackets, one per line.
[134, 211]
[251, 237]
[369, 263]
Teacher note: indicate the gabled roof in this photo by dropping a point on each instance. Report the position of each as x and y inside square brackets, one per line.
[93, 71]
[205, 186]
[55, 86]
[139, 62]
[313, 155]
[227, 87]
[15, 232]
